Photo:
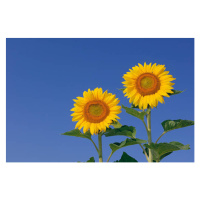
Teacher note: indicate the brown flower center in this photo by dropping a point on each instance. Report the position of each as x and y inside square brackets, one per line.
[147, 84]
[96, 111]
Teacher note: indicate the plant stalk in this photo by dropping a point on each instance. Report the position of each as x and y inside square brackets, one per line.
[100, 147]
[161, 136]
[149, 133]
[144, 152]
[109, 156]
[94, 145]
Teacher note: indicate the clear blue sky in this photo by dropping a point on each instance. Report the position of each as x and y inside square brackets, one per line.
[44, 75]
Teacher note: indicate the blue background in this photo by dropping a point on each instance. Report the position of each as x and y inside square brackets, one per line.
[44, 75]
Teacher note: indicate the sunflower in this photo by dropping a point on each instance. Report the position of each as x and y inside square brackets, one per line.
[146, 85]
[95, 110]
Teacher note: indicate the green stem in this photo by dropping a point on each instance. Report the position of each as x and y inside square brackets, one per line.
[94, 145]
[145, 125]
[161, 136]
[144, 152]
[109, 156]
[149, 133]
[141, 145]
[100, 147]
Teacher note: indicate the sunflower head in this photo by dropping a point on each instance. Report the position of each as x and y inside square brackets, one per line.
[95, 111]
[146, 85]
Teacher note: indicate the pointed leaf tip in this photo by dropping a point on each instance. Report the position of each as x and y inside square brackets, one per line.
[126, 158]
[77, 133]
[91, 159]
[175, 92]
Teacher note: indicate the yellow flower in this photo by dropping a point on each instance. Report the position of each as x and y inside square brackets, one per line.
[95, 110]
[146, 85]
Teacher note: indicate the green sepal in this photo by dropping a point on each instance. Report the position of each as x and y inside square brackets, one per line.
[91, 159]
[169, 125]
[126, 158]
[115, 146]
[122, 89]
[134, 106]
[175, 92]
[77, 133]
[162, 150]
[116, 124]
[128, 131]
[134, 112]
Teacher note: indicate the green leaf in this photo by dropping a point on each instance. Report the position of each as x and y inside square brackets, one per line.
[116, 124]
[161, 150]
[147, 151]
[169, 125]
[128, 131]
[154, 157]
[91, 159]
[115, 146]
[175, 92]
[77, 133]
[164, 155]
[134, 112]
[180, 145]
[126, 158]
